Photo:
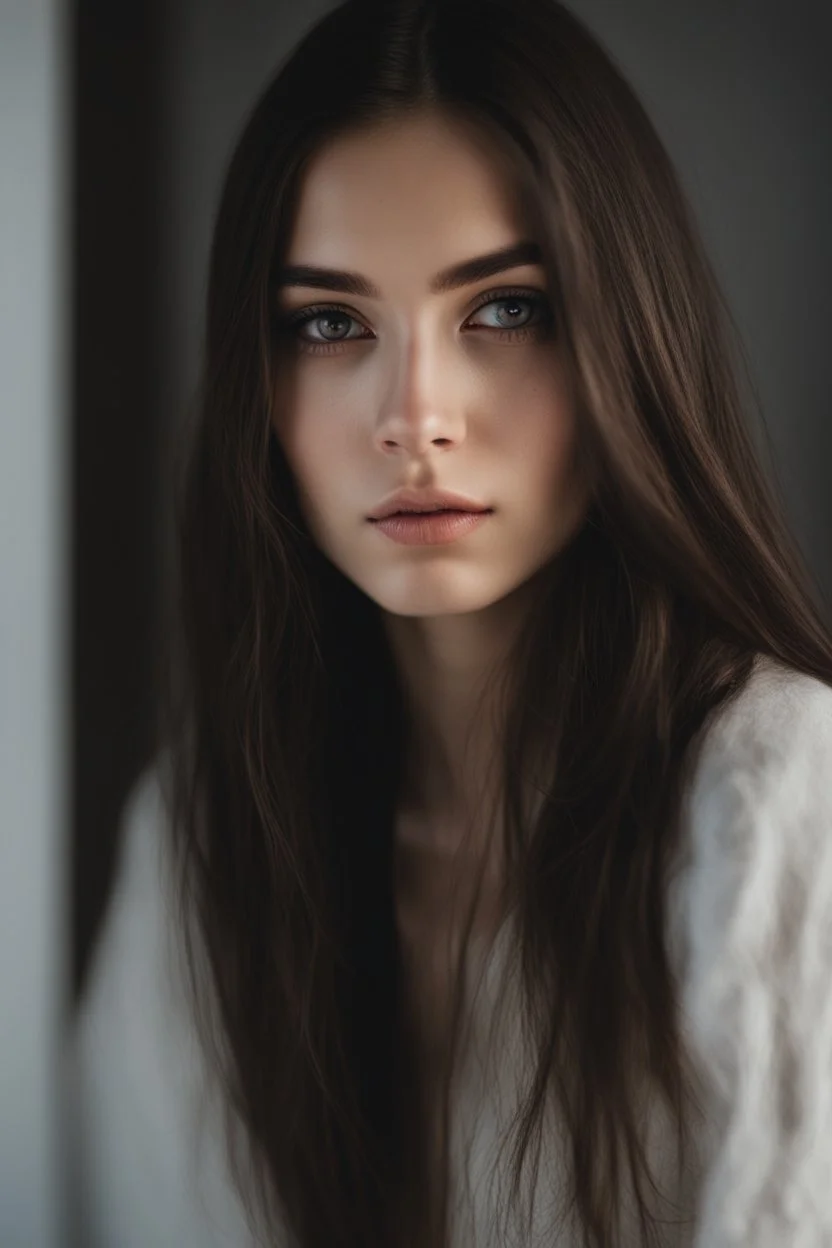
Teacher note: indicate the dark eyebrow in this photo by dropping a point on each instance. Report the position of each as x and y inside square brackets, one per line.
[462, 274]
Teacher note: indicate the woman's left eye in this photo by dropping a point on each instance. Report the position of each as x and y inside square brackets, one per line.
[514, 311]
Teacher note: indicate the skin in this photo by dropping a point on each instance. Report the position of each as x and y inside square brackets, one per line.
[421, 388]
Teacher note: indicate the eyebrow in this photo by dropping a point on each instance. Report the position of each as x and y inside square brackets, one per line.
[462, 274]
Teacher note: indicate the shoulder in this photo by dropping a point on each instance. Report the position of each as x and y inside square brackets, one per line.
[135, 977]
[758, 811]
[756, 990]
[777, 733]
[137, 926]
[147, 1144]
[142, 879]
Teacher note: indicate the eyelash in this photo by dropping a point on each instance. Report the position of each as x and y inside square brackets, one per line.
[293, 323]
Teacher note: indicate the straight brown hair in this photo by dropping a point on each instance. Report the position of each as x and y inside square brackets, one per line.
[284, 723]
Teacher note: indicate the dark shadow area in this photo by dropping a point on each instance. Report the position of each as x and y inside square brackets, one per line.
[116, 56]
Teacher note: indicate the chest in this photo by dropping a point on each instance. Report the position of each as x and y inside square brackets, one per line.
[443, 913]
[435, 900]
[488, 1084]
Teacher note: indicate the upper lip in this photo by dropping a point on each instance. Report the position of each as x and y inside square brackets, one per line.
[424, 500]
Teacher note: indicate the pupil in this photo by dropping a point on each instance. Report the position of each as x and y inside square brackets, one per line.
[514, 309]
[335, 320]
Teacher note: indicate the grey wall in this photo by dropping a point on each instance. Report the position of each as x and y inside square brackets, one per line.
[33, 613]
[741, 94]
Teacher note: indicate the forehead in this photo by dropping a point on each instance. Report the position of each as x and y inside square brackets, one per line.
[423, 187]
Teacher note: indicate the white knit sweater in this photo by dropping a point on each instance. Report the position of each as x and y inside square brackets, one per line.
[751, 941]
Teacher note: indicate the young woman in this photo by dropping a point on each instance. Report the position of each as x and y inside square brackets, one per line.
[499, 840]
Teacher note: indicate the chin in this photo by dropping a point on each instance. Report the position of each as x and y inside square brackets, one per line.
[430, 602]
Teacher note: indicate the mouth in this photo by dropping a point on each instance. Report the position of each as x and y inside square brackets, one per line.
[435, 511]
[431, 528]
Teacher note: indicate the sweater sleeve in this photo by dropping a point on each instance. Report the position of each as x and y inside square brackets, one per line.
[143, 1177]
[757, 993]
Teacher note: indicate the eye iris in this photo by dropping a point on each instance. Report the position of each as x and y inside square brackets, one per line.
[516, 307]
[332, 318]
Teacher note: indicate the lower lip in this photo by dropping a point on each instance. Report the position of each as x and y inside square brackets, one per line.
[430, 528]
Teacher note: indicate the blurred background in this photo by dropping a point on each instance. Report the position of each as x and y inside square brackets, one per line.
[116, 122]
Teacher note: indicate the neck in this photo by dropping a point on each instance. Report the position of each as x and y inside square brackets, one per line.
[454, 672]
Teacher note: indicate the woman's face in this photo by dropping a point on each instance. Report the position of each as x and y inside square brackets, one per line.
[463, 388]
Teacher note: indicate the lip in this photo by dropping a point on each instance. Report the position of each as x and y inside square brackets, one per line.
[430, 530]
[410, 500]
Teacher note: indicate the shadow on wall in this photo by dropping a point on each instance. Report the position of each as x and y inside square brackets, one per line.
[116, 250]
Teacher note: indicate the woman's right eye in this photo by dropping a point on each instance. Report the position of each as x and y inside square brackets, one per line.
[331, 325]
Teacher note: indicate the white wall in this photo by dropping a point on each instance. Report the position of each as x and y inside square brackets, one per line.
[33, 613]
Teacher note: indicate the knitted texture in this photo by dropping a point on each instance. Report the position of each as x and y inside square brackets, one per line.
[750, 919]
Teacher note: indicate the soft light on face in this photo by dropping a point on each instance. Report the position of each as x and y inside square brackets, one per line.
[403, 384]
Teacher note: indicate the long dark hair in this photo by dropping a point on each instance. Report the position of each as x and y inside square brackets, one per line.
[284, 721]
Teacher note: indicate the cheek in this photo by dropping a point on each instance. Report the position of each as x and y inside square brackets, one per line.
[318, 439]
[536, 422]
[309, 425]
[543, 448]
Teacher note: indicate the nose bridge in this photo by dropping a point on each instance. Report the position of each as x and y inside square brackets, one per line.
[417, 396]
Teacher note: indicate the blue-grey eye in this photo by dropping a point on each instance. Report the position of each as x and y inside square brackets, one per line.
[330, 325]
[514, 311]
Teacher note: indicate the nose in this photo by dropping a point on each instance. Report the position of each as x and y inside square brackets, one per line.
[422, 405]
